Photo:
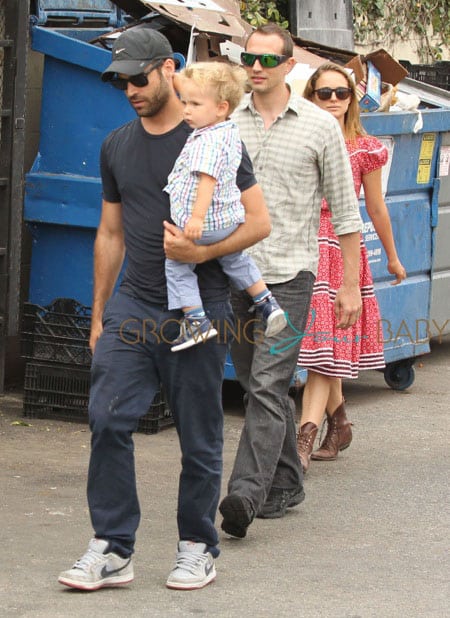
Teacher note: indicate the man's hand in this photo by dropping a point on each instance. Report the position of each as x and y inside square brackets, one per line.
[193, 228]
[178, 247]
[96, 331]
[347, 306]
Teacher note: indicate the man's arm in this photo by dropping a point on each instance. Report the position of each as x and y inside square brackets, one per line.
[255, 228]
[347, 305]
[339, 192]
[109, 253]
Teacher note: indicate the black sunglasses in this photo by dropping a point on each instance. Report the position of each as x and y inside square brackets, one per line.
[326, 93]
[268, 61]
[140, 80]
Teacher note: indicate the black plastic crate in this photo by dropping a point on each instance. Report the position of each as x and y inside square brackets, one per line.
[437, 74]
[62, 393]
[58, 333]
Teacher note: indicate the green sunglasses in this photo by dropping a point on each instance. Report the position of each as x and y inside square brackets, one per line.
[268, 61]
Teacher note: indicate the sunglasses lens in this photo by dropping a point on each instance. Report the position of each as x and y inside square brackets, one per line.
[324, 93]
[119, 83]
[248, 59]
[343, 93]
[269, 61]
[139, 80]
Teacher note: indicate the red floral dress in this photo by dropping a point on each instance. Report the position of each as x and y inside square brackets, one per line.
[324, 348]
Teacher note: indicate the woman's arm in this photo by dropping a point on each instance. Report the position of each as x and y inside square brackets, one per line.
[379, 214]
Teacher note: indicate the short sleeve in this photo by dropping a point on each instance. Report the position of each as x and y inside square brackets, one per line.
[372, 154]
[245, 176]
[109, 186]
[207, 155]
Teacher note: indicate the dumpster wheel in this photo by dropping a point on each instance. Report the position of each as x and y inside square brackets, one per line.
[399, 375]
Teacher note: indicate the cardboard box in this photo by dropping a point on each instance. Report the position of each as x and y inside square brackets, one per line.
[390, 70]
[216, 17]
[371, 99]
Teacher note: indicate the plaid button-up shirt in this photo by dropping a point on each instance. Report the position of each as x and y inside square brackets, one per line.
[298, 161]
[215, 150]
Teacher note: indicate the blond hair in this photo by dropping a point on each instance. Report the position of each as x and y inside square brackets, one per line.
[220, 79]
[352, 122]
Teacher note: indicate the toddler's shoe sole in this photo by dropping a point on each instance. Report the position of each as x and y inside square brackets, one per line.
[200, 338]
[276, 322]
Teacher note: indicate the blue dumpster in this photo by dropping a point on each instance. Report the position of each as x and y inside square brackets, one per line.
[63, 189]
[412, 199]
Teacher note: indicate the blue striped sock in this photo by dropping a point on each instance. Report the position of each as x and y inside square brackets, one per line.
[260, 298]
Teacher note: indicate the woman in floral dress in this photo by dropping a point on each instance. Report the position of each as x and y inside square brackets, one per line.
[330, 354]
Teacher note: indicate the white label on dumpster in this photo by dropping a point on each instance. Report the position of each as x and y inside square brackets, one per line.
[444, 161]
[385, 170]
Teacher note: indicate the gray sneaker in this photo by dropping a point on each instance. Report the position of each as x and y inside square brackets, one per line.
[97, 569]
[194, 567]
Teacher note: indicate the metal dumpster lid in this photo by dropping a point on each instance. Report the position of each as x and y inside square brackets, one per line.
[426, 92]
[215, 16]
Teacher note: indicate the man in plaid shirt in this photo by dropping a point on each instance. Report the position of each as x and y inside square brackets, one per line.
[299, 158]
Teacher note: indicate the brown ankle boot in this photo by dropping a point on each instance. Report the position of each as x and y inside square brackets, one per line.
[305, 442]
[338, 436]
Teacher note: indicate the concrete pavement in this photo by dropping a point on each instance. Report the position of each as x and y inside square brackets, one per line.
[370, 540]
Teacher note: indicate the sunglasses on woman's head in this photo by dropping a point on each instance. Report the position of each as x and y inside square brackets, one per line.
[326, 93]
[268, 61]
[139, 81]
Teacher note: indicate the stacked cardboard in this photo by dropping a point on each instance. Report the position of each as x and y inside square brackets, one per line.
[203, 29]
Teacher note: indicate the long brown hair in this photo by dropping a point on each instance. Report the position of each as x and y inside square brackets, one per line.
[352, 122]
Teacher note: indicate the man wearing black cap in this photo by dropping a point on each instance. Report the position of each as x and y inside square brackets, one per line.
[132, 329]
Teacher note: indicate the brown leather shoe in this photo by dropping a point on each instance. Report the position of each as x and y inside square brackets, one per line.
[338, 436]
[305, 443]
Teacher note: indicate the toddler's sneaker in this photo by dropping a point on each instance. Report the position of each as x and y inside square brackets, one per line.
[271, 315]
[194, 567]
[98, 569]
[192, 332]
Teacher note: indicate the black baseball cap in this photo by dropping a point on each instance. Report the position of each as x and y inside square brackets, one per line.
[136, 48]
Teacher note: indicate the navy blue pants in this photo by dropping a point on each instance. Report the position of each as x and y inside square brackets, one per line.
[131, 359]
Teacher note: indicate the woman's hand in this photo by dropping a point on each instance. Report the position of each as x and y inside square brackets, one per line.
[395, 267]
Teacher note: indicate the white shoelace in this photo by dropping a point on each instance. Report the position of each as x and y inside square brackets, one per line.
[190, 561]
[90, 558]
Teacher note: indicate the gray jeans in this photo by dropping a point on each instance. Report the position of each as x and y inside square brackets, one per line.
[267, 452]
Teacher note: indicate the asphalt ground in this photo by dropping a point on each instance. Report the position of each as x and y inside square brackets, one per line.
[370, 540]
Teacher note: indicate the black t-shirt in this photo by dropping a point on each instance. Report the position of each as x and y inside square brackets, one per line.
[134, 168]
